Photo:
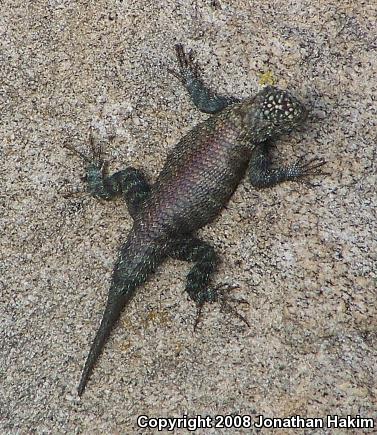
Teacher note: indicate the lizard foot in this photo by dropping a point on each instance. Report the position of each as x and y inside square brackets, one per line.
[98, 184]
[188, 68]
[95, 158]
[220, 294]
[304, 168]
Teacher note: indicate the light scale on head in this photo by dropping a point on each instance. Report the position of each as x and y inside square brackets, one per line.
[280, 106]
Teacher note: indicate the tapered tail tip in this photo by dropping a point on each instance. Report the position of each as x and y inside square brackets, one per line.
[84, 378]
[111, 315]
[81, 387]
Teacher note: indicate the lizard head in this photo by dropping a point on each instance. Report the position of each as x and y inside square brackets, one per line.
[276, 112]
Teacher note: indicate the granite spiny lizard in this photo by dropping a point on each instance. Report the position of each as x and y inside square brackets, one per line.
[199, 176]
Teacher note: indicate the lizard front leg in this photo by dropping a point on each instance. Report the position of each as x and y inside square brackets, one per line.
[261, 174]
[198, 279]
[203, 98]
[129, 182]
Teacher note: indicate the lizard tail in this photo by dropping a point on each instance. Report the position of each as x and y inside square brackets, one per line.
[111, 315]
[135, 264]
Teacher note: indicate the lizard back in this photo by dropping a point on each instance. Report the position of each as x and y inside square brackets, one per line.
[199, 176]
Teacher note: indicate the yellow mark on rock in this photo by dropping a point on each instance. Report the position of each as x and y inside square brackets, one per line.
[267, 78]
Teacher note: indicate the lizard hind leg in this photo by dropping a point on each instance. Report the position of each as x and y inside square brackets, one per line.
[128, 182]
[98, 184]
[198, 279]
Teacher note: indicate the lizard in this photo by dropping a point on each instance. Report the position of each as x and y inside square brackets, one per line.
[197, 180]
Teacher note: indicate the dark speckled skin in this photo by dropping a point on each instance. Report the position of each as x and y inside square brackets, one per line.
[197, 180]
[199, 176]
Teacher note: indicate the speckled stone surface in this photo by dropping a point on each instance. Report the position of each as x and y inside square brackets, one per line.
[303, 255]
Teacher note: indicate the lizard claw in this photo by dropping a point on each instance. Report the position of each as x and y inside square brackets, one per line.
[226, 300]
[220, 293]
[188, 68]
[304, 168]
[199, 309]
[69, 192]
[96, 152]
[77, 152]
